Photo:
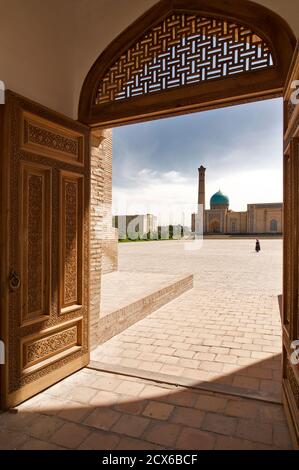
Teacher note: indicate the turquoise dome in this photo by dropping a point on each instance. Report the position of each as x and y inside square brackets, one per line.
[219, 199]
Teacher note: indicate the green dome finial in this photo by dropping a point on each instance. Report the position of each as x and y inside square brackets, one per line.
[219, 199]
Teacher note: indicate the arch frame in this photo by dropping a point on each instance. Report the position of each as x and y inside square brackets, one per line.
[273, 226]
[245, 87]
[215, 226]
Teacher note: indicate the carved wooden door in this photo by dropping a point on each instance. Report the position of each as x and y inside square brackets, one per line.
[291, 250]
[44, 247]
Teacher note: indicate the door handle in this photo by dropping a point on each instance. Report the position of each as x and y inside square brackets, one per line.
[14, 280]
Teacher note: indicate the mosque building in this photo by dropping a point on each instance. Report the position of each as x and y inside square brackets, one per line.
[258, 219]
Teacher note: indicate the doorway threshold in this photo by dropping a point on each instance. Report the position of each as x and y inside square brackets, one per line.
[158, 377]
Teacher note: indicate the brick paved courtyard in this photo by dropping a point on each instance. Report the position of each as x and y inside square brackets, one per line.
[225, 331]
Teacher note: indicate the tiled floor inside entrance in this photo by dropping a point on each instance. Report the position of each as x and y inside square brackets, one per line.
[94, 410]
[225, 331]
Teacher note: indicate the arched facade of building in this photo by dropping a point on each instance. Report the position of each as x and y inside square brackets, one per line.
[215, 226]
[258, 219]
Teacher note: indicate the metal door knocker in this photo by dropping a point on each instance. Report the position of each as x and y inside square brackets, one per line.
[14, 281]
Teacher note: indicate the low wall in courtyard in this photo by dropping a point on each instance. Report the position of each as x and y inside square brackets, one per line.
[119, 320]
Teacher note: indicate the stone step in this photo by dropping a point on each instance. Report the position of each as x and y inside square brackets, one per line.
[181, 381]
[128, 297]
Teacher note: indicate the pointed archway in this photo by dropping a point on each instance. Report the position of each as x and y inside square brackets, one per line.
[187, 56]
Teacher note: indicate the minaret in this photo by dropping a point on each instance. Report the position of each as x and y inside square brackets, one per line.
[201, 186]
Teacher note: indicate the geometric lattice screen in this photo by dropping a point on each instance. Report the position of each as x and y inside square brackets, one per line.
[183, 50]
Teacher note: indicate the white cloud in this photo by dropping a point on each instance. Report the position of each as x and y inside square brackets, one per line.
[249, 187]
[168, 195]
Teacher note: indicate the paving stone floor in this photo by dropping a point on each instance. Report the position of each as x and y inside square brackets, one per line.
[95, 410]
[123, 288]
[226, 329]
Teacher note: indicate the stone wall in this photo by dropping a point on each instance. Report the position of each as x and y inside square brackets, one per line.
[264, 217]
[109, 234]
[103, 238]
[261, 215]
[238, 220]
[257, 219]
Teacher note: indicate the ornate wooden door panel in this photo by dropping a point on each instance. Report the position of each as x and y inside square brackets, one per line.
[44, 247]
[291, 250]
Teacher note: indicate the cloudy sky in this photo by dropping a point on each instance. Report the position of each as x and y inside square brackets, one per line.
[155, 164]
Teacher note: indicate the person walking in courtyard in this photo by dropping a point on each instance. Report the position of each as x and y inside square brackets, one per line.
[257, 246]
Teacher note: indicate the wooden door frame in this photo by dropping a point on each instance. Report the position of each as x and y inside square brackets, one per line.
[290, 307]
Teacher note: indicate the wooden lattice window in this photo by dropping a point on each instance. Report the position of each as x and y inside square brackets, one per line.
[184, 56]
[183, 50]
